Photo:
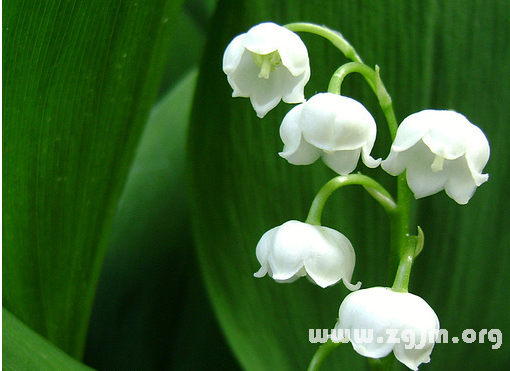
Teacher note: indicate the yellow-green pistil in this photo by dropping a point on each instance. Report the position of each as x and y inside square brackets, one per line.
[267, 63]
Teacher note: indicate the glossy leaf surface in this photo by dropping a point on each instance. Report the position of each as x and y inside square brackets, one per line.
[79, 79]
[24, 349]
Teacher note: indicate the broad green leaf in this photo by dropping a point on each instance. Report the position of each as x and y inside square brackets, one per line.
[432, 54]
[24, 349]
[188, 42]
[79, 79]
[150, 303]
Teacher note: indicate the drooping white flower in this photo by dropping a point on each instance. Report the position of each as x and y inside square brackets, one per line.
[330, 126]
[440, 150]
[296, 249]
[267, 64]
[374, 319]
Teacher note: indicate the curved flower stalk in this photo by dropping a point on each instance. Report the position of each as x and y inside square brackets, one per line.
[267, 64]
[337, 128]
[296, 249]
[400, 322]
[439, 150]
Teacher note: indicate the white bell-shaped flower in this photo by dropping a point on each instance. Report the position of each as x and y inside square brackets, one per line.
[379, 320]
[296, 249]
[267, 64]
[440, 150]
[330, 126]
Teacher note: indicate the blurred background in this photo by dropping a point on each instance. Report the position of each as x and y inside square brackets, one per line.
[152, 311]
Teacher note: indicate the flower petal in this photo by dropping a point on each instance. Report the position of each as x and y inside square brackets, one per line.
[368, 160]
[343, 162]
[264, 38]
[411, 130]
[291, 242]
[422, 325]
[296, 150]
[412, 358]
[244, 76]
[293, 90]
[290, 87]
[448, 135]
[262, 252]
[233, 54]
[460, 186]
[268, 37]
[293, 53]
[295, 277]
[477, 154]
[394, 164]
[367, 311]
[264, 94]
[332, 122]
[330, 258]
[420, 178]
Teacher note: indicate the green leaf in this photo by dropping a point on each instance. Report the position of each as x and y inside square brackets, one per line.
[188, 42]
[24, 349]
[432, 54]
[150, 302]
[79, 79]
[150, 244]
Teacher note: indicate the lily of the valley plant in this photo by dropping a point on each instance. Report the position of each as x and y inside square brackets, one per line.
[267, 64]
[437, 149]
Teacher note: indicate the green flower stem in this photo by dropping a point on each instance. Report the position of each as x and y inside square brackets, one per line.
[413, 247]
[382, 364]
[401, 282]
[373, 79]
[335, 84]
[337, 39]
[321, 354]
[376, 190]
[333, 36]
[400, 222]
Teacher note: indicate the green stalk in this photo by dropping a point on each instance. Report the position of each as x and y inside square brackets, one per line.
[413, 247]
[373, 79]
[400, 222]
[321, 354]
[333, 36]
[376, 190]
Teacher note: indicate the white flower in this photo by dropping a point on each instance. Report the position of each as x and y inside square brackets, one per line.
[267, 64]
[296, 249]
[378, 312]
[330, 126]
[440, 150]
